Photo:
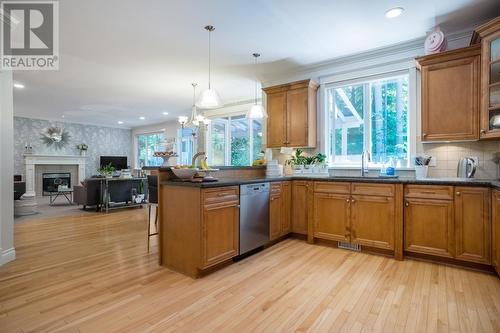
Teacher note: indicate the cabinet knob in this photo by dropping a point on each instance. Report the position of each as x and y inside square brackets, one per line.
[483, 131]
[347, 200]
[407, 203]
[353, 201]
[458, 193]
[424, 134]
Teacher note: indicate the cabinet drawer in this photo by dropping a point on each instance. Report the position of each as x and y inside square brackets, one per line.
[222, 194]
[384, 190]
[429, 192]
[331, 187]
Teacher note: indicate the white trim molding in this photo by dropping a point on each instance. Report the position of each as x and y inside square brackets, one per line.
[7, 255]
[31, 161]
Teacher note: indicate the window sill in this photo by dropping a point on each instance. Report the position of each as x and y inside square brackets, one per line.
[374, 168]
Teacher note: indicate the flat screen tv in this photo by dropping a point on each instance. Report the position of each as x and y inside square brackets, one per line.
[118, 162]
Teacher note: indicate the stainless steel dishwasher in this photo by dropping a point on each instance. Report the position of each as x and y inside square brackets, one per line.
[254, 216]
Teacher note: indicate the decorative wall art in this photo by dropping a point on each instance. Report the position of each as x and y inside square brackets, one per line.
[54, 136]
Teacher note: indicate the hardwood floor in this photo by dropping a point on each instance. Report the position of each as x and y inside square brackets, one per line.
[92, 273]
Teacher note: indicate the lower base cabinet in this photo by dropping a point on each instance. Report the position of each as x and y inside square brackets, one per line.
[496, 230]
[429, 227]
[449, 222]
[299, 206]
[357, 213]
[279, 209]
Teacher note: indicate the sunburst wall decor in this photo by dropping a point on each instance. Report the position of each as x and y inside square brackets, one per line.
[54, 136]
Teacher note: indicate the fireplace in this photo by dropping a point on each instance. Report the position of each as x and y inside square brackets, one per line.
[51, 181]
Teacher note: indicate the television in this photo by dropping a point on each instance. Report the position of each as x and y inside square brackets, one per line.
[118, 162]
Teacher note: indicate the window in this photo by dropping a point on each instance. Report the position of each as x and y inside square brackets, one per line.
[147, 144]
[368, 116]
[186, 146]
[234, 140]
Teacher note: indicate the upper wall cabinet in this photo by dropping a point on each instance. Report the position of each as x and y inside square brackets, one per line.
[292, 110]
[450, 95]
[488, 36]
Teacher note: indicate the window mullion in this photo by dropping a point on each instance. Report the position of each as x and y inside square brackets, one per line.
[367, 114]
[250, 140]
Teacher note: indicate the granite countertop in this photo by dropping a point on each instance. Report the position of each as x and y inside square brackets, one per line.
[214, 167]
[401, 180]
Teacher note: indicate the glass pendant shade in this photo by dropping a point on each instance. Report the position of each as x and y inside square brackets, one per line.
[209, 99]
[257, 111]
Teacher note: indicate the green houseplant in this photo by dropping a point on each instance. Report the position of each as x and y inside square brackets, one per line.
[106, 170]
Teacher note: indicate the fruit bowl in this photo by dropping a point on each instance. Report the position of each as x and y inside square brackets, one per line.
[184, 173]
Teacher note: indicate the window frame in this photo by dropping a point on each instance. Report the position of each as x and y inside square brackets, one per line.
[226, 118]
[411, 114]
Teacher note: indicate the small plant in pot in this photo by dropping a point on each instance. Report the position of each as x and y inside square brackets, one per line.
[106, 170]
[297, 160]
[140, 193]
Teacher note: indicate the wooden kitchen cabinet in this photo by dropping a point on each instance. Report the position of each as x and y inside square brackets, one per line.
[292, 111]
[220, 227]
[299, 206]
[487, 36]
[472, 224]
[331, 216]
[429, 227]
[373, 221]
[496, 230]
[279, 210]
[450, 114]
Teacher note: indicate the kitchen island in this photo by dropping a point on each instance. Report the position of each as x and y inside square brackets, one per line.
[446, 220]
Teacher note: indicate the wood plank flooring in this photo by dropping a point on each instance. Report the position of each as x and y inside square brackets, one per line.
[92, 273]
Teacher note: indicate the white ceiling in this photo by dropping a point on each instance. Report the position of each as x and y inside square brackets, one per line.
[122, 59]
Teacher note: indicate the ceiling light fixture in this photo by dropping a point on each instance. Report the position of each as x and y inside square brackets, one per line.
[120, 122]
[142, 118]
[165, 113]
[196, 119]
[394, 12]
[18, 85]
[257, 111]
[209, 99]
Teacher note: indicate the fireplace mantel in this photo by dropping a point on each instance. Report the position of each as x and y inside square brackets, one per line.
[31, 160]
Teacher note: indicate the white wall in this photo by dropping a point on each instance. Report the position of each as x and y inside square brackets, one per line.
[7, 251]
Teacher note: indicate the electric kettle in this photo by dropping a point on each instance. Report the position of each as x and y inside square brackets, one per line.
[466, 168]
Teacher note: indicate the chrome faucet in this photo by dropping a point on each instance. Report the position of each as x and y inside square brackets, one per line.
[365, 158]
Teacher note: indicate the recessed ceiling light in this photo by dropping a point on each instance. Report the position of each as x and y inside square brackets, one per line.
[394, 12]
[120, 122]
[165, 113]
[142, 118]
[18, 85]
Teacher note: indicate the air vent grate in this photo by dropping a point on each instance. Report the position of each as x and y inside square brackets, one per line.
[349, 246]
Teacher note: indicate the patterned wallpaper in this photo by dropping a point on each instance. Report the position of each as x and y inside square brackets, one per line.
[101, 141]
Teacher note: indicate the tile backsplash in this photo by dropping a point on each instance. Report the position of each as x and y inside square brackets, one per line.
[448, 154]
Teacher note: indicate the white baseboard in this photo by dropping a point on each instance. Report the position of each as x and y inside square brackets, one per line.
[7, 255]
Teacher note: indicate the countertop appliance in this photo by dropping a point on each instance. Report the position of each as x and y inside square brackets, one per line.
[466, 168]
[254, 216]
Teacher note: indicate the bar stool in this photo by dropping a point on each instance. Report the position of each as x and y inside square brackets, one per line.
[152, 201]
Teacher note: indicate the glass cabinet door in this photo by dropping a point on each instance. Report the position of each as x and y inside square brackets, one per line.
[494, 81]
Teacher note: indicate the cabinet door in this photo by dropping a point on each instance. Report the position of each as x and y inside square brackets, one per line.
[220, 235]
[286, 193]
[297, 118]
[490, 86]
[439, 102]
[429, 227]
[276, 120]
[472, 224]
[331, 216]
[275, 216]
[299, 206]
[496, 230]
[372, 221]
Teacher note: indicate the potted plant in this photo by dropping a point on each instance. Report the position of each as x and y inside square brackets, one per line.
[107, 170]
[140, 193]
[82, 147]
[309, 163]
[320, 160]
[297, 161]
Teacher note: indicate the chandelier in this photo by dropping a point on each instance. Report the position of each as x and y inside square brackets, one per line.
[196, 119]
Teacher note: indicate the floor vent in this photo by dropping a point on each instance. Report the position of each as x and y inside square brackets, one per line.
[349, 246]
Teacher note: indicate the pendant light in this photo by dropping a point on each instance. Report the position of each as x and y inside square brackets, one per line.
[209, 99]
[257, 111]
[196, 119]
